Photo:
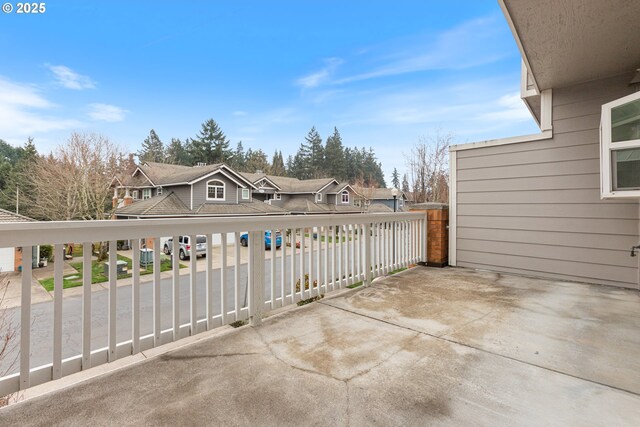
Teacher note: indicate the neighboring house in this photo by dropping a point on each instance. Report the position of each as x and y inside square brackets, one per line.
[309, 196]
[158, 190]
[562, 204]
[381, 200]
[11, 258]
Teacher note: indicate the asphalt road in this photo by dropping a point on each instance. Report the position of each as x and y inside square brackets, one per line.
[42, 314]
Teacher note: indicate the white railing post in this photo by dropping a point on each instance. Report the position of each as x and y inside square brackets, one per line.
[87, 249]
[58, 281]
[113, 314]
[256, 277]
[368, 266]
[25, 318]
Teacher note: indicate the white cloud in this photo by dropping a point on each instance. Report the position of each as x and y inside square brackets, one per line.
[25, 112]
[315, 79]
[69, 79]
[106, 112]
[509, 107]
[473, 43]
[239, 113]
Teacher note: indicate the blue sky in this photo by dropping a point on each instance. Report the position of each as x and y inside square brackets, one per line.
[384, 72]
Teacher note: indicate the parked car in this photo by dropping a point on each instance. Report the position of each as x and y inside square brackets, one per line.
[244, 239]
[185, 246]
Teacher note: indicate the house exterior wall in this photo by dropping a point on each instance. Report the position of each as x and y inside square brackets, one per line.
[200, 191]
[534, 208]
[182, 191]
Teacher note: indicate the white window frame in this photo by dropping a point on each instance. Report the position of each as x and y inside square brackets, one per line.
[159, 191]
[134, 194]
[342, 194]
[318, 197]
[607, 190]
[245, 194]
[277, 196]
[146, 193]
[216, 183]
[357, 203]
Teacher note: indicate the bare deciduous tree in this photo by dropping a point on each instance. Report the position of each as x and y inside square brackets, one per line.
[74, 181]
[428, 165]
[364, 193]
[8, 343]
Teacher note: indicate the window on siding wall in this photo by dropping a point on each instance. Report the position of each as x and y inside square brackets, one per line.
[146, 193]
[159, 191]
[277, 196]
[318, 197]
[215, 190]
[345, 197]
[620, 148]
[134, 194]
[245, 194]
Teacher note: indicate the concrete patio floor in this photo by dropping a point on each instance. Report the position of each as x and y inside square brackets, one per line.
[427, 346]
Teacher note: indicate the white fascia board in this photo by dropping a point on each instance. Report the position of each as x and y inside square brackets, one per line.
[547, 134]
[273, 184]
[333, 181]
[142, 172]
[221, 172]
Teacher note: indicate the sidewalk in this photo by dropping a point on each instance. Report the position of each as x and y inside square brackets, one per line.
[39, 294]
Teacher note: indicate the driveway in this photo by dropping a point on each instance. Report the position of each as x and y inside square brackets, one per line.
[427, 346]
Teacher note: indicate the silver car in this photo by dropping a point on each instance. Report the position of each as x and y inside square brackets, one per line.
[185, 246]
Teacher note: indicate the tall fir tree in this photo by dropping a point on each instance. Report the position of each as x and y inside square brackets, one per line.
[152, 149]
[256, 161]
[277, 164]
[18, 192]
[210, 145]
[405, 184]
[316, 160]
[335, 157]
[395, 178]
[176, 153]
[239, 159]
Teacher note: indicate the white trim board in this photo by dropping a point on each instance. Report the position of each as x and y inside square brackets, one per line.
[453, 195]
[548, 134]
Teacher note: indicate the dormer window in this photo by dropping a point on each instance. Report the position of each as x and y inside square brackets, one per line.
[134, 194]
[215, 190]
[318, 197]
[620, 148]
[345, 196]
[146, 193]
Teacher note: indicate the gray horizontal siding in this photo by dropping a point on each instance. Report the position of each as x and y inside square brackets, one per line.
[561, 239]
[200, 191]
[183, 192]
[534, 208]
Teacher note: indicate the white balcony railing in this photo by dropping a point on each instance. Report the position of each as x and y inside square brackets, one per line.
[346, 250]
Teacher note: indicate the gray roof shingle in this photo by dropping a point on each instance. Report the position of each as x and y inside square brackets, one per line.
[8, 216]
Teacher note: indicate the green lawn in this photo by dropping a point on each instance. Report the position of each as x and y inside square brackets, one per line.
[97, 273]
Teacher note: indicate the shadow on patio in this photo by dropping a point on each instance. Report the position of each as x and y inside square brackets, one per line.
[444, 346]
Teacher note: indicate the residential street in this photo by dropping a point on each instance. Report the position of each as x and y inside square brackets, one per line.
[42, 313]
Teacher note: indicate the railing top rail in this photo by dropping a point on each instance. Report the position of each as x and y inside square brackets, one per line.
[50, 232]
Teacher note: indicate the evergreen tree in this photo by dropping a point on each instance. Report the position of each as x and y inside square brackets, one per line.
[289, 166]
[210, 145]
[152, 149]
[301, 164]
[16, 165]
[405, 184]
[316, 160]
[176, 153]
[395, 178]
[239, 159]
[277, 164]
[335, 157]
[256, 161]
